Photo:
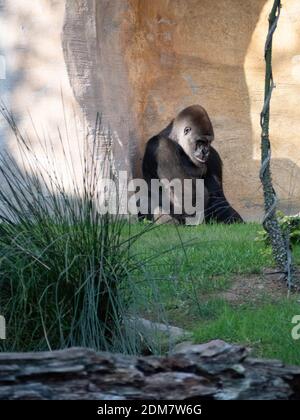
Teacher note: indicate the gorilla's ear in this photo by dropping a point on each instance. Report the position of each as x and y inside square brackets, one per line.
[187, 130]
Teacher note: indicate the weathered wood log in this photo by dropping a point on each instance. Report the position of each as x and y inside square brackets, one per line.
[215, 370]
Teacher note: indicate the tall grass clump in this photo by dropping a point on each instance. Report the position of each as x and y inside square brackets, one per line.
[65, 267]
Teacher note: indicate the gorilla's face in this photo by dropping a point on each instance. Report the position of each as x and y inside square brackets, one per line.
[195, 144]
[192, 129]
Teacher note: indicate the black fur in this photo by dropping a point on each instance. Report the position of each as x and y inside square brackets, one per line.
[165, 158]
[218, 209]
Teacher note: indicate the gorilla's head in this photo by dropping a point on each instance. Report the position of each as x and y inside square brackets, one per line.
[193, 130]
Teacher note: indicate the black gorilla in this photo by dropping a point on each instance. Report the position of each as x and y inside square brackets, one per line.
[183, 151]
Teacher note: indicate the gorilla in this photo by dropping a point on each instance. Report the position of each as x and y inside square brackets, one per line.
[183, 151]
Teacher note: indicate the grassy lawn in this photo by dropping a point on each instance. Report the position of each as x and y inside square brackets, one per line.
[70, 276]
[201, 263]
[210, 249]
[208, 279]
[195, 278]
[266, 329]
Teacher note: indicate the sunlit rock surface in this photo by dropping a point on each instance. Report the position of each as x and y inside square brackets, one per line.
[139, 62]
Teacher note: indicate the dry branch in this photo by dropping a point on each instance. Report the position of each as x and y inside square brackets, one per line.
[215, 370]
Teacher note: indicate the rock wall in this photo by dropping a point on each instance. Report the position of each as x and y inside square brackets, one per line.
[138, 62]
[154, 58]
[35, 86]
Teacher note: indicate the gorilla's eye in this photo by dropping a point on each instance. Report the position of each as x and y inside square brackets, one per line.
[187, 130]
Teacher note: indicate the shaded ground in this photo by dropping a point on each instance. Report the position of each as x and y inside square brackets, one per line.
[255, 289]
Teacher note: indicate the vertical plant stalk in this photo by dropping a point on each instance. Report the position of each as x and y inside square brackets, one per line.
[279, 241]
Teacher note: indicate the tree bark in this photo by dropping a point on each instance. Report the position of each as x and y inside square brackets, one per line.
[215, 370]
[278, 241]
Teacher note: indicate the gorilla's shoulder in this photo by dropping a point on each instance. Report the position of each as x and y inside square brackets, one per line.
[152, 142]
[160, 143]
[214, 164]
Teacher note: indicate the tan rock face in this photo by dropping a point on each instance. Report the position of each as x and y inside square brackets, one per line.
[190, 52]
[35, 80]
[139, 62]
[285, 106]
[163, 55]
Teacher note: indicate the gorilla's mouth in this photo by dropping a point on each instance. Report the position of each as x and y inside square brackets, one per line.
[201, 160]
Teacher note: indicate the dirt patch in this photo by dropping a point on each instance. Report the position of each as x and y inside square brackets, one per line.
[255, 288]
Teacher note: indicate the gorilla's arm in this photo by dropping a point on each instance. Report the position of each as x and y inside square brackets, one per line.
[218, 208]
[165, 159]
[161, 161]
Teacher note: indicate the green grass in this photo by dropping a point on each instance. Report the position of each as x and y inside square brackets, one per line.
[180, 276]
[190, 280]
[209, 250]
[265, 329]
[182, 273]
[65, 265]
[193, 263]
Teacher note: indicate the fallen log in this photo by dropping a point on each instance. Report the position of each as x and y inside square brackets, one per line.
[215, 370]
